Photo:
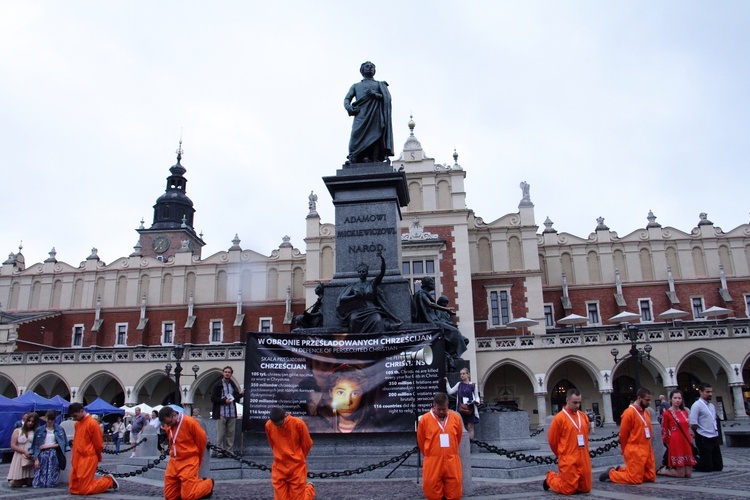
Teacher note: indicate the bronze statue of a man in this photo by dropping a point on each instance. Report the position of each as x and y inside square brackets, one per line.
[372, 132]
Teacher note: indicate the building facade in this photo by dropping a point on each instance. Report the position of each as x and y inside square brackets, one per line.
[107, 330]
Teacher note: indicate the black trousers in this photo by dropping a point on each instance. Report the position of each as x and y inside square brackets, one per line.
[710, 454]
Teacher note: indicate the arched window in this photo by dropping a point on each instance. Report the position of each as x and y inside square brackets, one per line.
[647, 267]
[673, 262]
[121, 294]
[543, 267]
[15, 290]
[444, 195]
[515, 253]
[484, 247]
[189, 287]
[56, 294]
[415, 197]
[247, 281]
[36, 292]
[221, 286]
[725, 257]
[619, 258]
[699, 262]
[326, 263]
[566, 262]
[298, 278]
[78, 294]
[99, 289]
[595, 269]
[166, 289]
[143, 285]
[272, 287]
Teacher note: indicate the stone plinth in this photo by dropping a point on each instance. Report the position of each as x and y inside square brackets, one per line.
[509, 430]
[368, 198]
[150, 447]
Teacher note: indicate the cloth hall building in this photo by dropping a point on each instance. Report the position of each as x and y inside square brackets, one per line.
[107, 329]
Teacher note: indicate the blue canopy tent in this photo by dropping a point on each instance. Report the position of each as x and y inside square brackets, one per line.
[10, 413]
[35, 402]
[101, 407]
[64, 404]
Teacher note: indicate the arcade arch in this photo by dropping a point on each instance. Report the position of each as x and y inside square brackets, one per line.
[509, 383]
[7, 387]
[49, 385]
[705, 366]
[103, 385]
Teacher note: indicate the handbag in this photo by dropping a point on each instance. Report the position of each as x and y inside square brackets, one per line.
[62, 461]
[27, 462]
[465, 410]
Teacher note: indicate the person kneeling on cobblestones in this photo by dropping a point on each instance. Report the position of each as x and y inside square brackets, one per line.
[187, 443]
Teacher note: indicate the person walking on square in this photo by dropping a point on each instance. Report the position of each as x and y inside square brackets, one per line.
[438, 436]
[139, 422]
[187, 442]
[568, 438]
[290, 441]
[704, 424]
[118, 431]
[88, 444]
[225, 396]
[635, 440]
[676, 435]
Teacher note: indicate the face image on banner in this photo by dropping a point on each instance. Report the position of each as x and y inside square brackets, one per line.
[341, 382]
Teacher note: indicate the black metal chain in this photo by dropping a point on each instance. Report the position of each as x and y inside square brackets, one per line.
[123, 450]
[523, 457]
[537, 432]
[368, 468]
[134, 473]
[320, 475]
[612, 436]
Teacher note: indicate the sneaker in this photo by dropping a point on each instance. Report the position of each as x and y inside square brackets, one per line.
[604, 476]
[545, 485]
[115, 484]
[132, 455]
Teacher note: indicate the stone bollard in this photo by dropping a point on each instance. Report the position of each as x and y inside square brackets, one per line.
[150, 447]
[464, 451]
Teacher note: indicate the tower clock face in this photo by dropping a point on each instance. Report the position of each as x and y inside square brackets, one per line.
[160, 244]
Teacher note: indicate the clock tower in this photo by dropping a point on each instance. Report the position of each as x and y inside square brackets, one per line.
[172, 230]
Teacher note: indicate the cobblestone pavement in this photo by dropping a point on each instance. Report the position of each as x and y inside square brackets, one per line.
[733, 482]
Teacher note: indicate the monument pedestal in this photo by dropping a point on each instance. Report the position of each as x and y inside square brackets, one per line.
[368, 198]
[505, 429]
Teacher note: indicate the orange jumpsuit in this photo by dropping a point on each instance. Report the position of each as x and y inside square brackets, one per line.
[187, 442]
[574, 461]
[88, 444]
[290, 444]
[441, 474]
[640, 465]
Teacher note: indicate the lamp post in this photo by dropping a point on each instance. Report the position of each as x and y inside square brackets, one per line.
[179, 351]
[636, 354]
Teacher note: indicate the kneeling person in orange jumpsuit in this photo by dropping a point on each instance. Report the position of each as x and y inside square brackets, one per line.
[291, 442]
[635, 440]
[438, 436]
[88, 444]
[187, 442]
[568, 437]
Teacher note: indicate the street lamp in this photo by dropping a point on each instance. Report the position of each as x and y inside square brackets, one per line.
[179, 351]
[636, 354]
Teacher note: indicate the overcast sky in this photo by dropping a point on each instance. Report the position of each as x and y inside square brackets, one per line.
[606, 108]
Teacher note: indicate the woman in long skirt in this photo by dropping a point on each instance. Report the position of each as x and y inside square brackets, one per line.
[50, 443]
[676, 434]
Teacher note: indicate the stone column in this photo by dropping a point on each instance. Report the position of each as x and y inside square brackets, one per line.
[609, 417]
[541, 407]
[739, 401]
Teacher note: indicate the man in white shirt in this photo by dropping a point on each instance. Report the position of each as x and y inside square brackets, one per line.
[705, 425]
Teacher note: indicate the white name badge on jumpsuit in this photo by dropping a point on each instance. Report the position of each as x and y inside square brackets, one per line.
[645, 425]
[445, 441]
[581, 442]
